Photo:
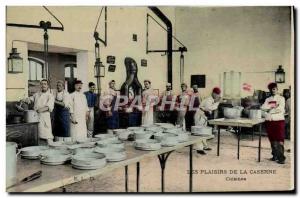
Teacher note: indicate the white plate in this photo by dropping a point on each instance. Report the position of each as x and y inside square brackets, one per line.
[33, 150]
[87, 167]
[199, 134]
[115, 157]
[31, 157]
[53, 163]
[148, 148]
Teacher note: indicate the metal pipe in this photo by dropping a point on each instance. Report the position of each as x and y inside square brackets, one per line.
[33, 26]
[168, 23]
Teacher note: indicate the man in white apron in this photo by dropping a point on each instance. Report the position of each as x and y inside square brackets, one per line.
[79, 113]
[182, 104]
[43, 104]
[148, 100]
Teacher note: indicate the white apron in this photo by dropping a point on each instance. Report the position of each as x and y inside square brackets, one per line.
[79, 108]
[44, 99]
[147, 115]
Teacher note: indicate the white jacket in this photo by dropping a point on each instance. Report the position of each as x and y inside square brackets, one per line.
[277, 113]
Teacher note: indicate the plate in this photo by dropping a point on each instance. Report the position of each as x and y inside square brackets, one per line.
[87, 167]
[115, 157]
[31, 157]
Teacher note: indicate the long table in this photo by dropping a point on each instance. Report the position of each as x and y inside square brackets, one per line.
[238, 123]
[59, 176]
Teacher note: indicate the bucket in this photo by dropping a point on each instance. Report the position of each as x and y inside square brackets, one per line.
[11, 163]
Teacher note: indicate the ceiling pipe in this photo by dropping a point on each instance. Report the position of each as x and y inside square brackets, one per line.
[168, 23]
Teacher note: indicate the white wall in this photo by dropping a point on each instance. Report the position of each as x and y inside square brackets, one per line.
[79, 23]
[245, 39]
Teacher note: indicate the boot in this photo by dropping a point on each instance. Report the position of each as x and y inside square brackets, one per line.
[280, 156]
[273, 147]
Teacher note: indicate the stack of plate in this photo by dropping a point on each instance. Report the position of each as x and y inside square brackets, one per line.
[183, 137]
[123, 134]
[115, 156]
[169, 140]
[201, 130]
[88, 161]
[147, 144]
[82, 151]
[118, 144]
[32, 152]
[174, 130]
[165, 125]
[58, 144]
[154, 129]
[142, 134]
[107, 137]
[55, 156]
[112, 154]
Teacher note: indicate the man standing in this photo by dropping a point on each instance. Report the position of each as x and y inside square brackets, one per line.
[193, 106]
[43, 104]
[110, 97]
[208, 110]
[167, 104]
[79, 113]
[91, 98]
[182, 105]
[148, 98]
[61, 111]
[275, 124]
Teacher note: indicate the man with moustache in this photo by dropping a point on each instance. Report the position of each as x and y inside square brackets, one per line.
[43, 104]
[61, 111]
[79, 113]
[91, 98]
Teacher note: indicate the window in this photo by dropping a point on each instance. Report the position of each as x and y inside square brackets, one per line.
[36, 69]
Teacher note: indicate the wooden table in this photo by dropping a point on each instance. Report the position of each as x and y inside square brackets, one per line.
[59, 176]
[238, 123]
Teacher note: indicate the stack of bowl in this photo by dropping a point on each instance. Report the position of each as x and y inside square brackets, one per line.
[88, 161]
[32, 152]
[55, 156]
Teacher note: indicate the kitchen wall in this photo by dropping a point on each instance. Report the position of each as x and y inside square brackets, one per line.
[79, 23]
[252, 40]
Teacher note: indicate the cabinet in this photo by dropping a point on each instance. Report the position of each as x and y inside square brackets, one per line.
[24, 134]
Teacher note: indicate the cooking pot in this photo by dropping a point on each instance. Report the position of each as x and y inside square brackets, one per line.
[31, 116]
[233, 113]
[255, 114]
[11, 163]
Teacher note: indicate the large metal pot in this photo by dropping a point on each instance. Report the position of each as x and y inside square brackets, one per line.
[11, 163]
[31, 116]
[233, 113]
[255, 114]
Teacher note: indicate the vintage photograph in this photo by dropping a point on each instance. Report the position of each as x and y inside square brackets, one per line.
[150, 99]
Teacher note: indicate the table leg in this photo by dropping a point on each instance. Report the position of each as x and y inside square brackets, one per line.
[239, 138]
[162, 160]
[218, 147]
[259, 142]
[191, 168]
[126, 178]
[137, 176]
